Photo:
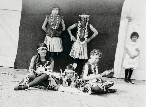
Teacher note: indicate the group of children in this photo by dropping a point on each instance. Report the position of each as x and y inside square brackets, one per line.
[41, 74]
[54, 25]
[88, 78]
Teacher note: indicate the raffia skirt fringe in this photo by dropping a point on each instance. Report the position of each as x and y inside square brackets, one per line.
[54, 44]
[79, 51]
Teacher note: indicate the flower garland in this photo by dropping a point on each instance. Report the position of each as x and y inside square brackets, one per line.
[54, 25]
[94, 68]
[85, 31]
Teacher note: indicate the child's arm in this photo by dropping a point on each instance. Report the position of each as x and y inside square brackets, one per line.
[94, 76]
[138, 52]
[95, 33]
[44, 24]
[52, 64]
[63, 25]
[69, 31]
[128, 52]
[97, 70]
[31, 66]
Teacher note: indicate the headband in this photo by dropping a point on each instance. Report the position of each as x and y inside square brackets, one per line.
[42, 48]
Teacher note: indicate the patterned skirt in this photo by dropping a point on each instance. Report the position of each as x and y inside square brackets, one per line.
[79, 50]
[52, 83]
[54, 44]
[99, 86]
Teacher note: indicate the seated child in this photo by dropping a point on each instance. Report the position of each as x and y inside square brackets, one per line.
[69, 76]
[40, 71]
[92, 81]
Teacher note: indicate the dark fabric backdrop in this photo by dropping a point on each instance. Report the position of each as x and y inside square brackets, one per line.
[104, 16]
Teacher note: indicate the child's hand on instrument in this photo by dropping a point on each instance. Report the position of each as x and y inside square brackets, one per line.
[107, 72]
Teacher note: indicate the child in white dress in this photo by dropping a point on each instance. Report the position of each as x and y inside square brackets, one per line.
[131, 57]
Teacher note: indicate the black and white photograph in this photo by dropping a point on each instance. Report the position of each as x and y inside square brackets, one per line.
[72, 53]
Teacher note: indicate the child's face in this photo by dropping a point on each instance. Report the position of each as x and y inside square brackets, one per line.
[94, 58]
[42, 51]
[83, 20]
[69, 74]
[134, 38]
[55, 11]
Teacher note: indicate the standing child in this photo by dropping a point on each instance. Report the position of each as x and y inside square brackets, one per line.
[131, 58]
[79, 48]
[53, 26]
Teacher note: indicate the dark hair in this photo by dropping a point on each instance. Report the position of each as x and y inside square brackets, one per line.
[134, 34]
[42, 45]
[70, 66]
[38, 60]
[55, 6]
[80, 18]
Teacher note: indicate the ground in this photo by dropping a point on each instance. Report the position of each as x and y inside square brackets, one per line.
[127, 95]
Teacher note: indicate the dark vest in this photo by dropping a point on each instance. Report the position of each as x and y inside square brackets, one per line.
[54, 32]
[89, 68]
[38, 63]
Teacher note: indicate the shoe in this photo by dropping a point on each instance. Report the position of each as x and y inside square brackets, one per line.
[131, 81]
[126, 80]
[21, 87]
[111, 90]
[87, 89]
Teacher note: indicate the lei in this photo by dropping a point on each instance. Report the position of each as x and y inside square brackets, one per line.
[54, 25]
[85, 31]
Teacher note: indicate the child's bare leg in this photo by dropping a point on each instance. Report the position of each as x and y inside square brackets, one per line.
[35, 81]
[38, 80]
[29, 77]
[32, 76]
[96, 89]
